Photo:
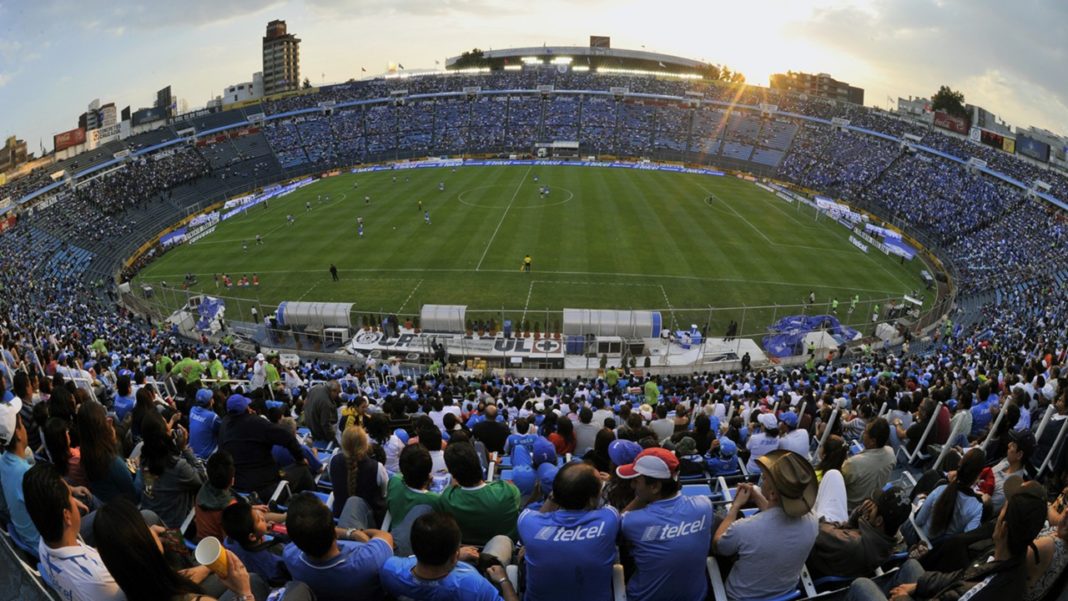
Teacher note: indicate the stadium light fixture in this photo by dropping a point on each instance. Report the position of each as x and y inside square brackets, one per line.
[531, 60]
[562, 60]
[513, 67]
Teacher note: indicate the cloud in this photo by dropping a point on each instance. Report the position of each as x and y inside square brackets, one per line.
[132, 16]
[5, 78]
[430, 8]
[916, 45]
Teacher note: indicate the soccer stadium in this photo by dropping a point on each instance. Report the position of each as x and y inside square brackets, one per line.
[388, 338]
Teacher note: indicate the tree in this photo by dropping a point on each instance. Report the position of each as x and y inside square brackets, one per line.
[721, 73]
[306, 84]
[950, 101]
[472, 58]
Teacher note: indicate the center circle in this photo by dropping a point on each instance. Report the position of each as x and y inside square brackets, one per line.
[507, 193]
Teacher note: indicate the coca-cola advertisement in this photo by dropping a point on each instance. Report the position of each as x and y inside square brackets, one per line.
[951, 122]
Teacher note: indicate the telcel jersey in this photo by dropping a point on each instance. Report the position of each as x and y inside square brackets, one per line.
[670, 540]
[569, 554]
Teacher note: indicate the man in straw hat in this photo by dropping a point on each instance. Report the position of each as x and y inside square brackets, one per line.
[773, 544]
[1003, 577]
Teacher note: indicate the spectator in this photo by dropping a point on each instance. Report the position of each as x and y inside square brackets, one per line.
[249, 441]
[171, 475]
[335, 570]
[952, 508]
[300, 476]
[1001, 578]
[320, 412]
[354, 472]
[124, 398]
[73, 568]
[491, 432]
[109, 476]
[790, 438]
[486, 511]
[411, 487]
[598, 456]
[13, 465]
[585, 432]
[204, 425]
[569, 542]
[763, 441]
[669, 534]
[246, 529]
[215, 495]
[133, 554]
[440, 569]
[662, 426]
[856, 548]
[868, 471]
[773, 544]
[66, 459]
[563, 438]
[1021, 446]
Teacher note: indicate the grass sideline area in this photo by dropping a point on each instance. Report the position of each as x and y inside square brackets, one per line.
[602, 238]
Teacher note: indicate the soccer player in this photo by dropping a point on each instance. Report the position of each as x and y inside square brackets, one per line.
[834, 305]
[853, 303]
[527, 263]
[259, 239]
[441, 186]
[366, 200]
[307, 203]
[420, 205]
[244, 245]
[426, 217]
[290, 220]
[333, 272]
[355, 185]
[359, 221]
[359, 230]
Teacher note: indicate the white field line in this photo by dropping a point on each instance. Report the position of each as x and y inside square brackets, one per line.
[505, 214]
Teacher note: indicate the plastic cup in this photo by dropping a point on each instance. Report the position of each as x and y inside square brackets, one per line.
[211, 553]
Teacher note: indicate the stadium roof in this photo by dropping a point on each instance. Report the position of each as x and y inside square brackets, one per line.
[596, 56]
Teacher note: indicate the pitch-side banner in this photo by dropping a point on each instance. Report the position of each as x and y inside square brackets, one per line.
[507, 162]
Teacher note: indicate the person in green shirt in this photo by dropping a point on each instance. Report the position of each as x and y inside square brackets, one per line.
[271, 369]
[216, 369]
[611, 377]
[411, 487]
[100, 347]
[188, 368]
[484, 510]
[652, 392]
[163, 364]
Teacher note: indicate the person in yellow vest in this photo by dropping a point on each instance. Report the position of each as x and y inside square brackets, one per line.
[527, 263]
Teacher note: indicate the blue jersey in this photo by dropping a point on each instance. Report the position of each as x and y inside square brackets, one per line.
[351, 575]
[669, 540]
[203, 431]
[123, 405]
[569, 554]
[265, 560]
[463, 583]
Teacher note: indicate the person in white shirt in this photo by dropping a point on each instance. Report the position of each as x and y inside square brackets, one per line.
[71, 567]
[790, 437]
[763, 442]
[259, 372]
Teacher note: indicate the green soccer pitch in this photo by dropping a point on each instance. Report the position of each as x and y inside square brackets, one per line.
[602, 238]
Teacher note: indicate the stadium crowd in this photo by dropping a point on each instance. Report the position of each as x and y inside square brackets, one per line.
[114, 436]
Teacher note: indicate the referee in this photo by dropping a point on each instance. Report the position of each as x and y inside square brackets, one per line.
[527, 263]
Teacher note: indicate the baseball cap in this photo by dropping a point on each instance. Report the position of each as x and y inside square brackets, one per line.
[894, 507]
[727, 447]
[768, 421]
[543, 452]
[793, 478]
[546, 475]
[1025, 441]
[524, 477]
[622, 452]
[789, 418]
[654, 463]
[9, 413]
[203, 397]
[237, 403]
[259, 357]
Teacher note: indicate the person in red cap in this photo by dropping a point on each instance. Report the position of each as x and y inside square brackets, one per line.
[668, 533]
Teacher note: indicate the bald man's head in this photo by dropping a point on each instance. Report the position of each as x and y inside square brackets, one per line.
[576, 486]
[491, 412]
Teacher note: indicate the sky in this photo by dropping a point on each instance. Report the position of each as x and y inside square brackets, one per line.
[58, 55]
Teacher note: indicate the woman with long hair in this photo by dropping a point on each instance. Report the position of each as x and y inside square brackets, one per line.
[66, 459]
[953, 508]
[108, 475]
[355, 473]
[833, 454]
[598, 455]
[133, 555]
[564, 436]
[170, 474]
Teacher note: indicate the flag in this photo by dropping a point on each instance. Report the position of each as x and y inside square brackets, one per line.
[437, 62]
[363, 70]
[400, 65]
[661, 64]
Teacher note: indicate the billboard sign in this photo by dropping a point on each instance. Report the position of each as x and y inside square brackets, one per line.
[1031, 147]
[67, 139]
[991, 139]
[951, 122]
